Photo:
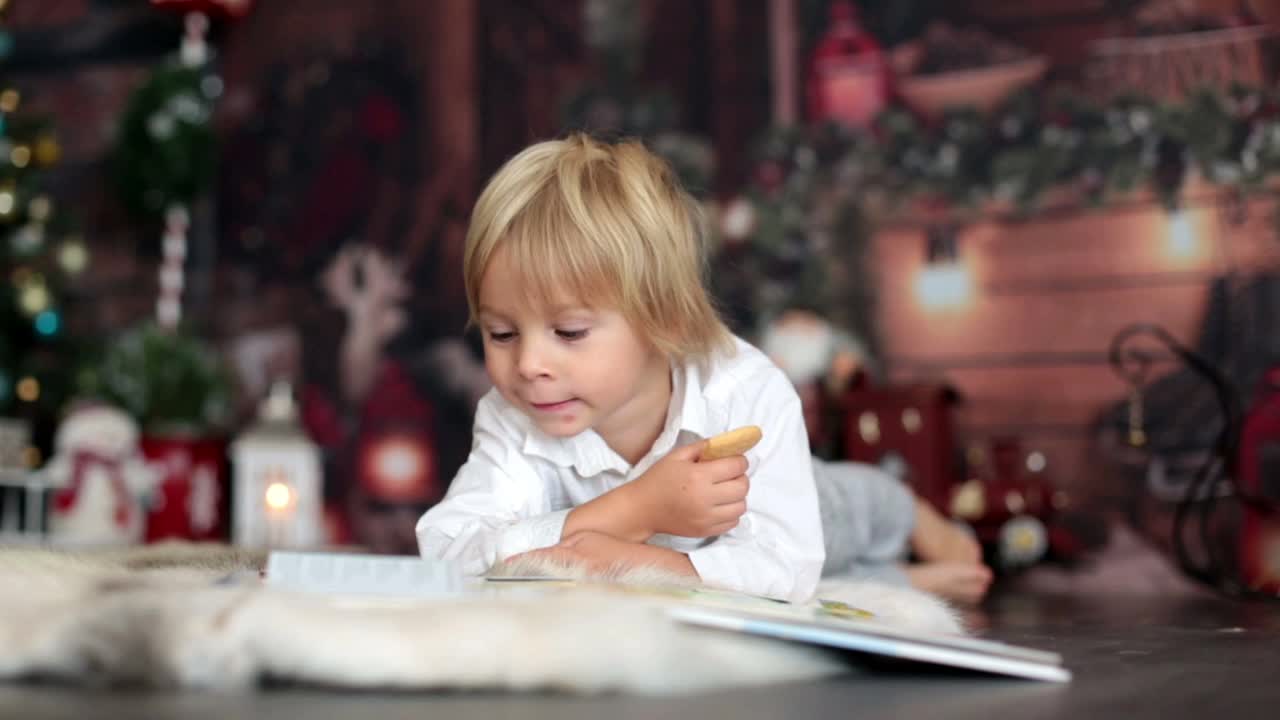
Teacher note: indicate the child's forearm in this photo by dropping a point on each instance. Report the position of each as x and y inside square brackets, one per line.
[604, 553]
[672, 560]
[618, 513]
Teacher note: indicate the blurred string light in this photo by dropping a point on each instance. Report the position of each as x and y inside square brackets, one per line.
[34, 297]
[73, 256]
[48, 323]
[8, 101]
[20, 156]
[28, 389]
[8, 200]
[28, 239]
[48, 151]
[944, 281]
[29, 228]
[1182, 241]
[40, 208]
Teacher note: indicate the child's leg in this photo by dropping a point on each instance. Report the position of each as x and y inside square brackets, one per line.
[935, 538]
[867, 516]
[868, 519]
[960, 581]
[951, 559]
[889, 573]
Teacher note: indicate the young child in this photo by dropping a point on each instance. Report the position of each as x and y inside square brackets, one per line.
[583, 268]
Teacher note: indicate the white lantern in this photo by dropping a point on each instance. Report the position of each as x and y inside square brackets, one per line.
[277, 493]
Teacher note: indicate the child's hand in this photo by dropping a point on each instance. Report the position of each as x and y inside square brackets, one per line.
[686, 497]
[601, 553]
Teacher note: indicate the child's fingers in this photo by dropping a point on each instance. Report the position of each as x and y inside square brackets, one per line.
[689, 453]
[728, 468]
[560, 554]
[730, 512]
[731, 491]
[722, 528]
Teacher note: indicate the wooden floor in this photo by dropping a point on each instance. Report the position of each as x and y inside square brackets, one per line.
[1133, 658]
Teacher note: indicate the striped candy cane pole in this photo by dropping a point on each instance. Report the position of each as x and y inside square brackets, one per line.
[169, 305]
[193, 52]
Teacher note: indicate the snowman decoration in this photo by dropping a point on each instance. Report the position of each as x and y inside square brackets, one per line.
[809, 349]
[100, 479]
[820, 360]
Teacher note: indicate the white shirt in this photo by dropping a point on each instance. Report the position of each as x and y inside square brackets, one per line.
[518, 485]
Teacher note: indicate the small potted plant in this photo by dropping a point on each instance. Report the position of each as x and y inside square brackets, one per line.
[177, 389]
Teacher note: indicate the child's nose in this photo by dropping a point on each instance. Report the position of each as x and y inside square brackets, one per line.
[531, 361]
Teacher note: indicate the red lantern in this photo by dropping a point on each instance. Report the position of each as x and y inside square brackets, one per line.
[399, 466]
[1259, 474]
[849, 72]
[225, 9]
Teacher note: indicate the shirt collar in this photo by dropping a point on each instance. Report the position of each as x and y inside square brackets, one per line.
[588, 453]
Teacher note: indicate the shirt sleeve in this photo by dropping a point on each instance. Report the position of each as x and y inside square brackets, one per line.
[497, 505]
[776, 550]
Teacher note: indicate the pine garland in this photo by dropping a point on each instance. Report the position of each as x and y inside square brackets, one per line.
[1037, 142]
[816, 189]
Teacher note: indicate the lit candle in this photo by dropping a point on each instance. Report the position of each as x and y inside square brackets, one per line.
[279, 504]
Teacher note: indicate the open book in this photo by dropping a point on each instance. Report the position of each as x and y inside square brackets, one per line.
[835, 625]
[829, 624]
[871, 638]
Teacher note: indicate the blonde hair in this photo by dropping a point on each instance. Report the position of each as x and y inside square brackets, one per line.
[609, 225]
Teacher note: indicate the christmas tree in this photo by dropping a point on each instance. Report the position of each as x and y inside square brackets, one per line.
[40, 253]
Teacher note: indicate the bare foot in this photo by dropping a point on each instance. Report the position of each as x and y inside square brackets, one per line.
[937, 539]
[958, 581]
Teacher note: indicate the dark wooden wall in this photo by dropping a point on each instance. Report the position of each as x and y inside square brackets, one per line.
[1028, 352]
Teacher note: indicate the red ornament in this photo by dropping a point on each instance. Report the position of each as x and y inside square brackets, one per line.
[1259, 467]
[396, 450]
[849, 73]
[398, 466]
[221, 9]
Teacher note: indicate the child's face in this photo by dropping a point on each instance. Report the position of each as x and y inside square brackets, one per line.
[569, 367]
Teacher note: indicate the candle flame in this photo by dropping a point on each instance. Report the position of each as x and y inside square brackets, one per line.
[278, 496]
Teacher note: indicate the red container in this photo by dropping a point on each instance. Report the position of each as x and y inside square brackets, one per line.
[191, 497]
[907, 430]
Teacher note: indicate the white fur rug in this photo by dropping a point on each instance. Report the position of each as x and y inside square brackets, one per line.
[157, 617]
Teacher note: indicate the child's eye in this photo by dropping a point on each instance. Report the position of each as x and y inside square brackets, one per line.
[501, 337]
[571, 334]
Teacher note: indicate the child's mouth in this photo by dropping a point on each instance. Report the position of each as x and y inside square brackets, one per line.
[553, 406]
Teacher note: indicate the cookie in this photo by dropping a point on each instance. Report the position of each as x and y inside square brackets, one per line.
[734, 442]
